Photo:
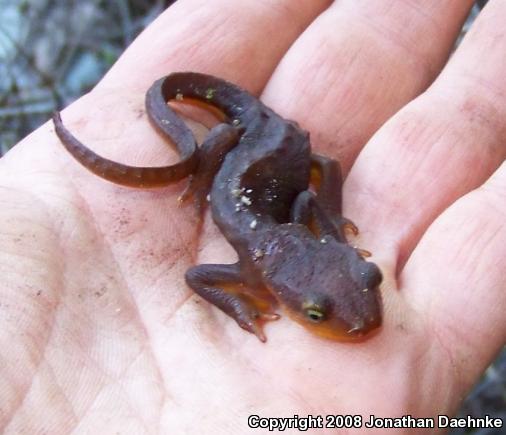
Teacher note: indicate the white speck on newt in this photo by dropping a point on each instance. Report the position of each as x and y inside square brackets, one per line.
[245, 200]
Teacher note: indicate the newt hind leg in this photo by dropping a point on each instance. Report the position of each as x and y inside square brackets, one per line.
[218, 142]
[223, 286]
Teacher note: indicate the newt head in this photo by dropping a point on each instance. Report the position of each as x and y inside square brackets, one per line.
[324, 285]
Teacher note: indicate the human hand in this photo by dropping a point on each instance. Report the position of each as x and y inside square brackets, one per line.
[100, 333]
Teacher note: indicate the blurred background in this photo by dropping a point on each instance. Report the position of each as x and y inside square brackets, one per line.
[53, 51]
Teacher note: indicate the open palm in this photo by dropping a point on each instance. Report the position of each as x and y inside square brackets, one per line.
[99, 332]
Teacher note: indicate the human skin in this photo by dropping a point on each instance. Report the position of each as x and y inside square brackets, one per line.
[100, 334]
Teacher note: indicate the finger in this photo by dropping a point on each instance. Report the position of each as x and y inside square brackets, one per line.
[358, 63]
[442, 145]
[241, 43]
[456, 278]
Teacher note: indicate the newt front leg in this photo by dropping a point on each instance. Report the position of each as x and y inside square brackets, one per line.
[223, 286]
[326, 174]
[321, 212]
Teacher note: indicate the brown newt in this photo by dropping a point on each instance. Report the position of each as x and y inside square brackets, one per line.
[258, 168]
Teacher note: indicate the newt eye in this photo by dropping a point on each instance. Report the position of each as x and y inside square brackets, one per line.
[314, 314]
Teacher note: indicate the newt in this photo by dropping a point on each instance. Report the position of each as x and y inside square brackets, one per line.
[257, 170]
